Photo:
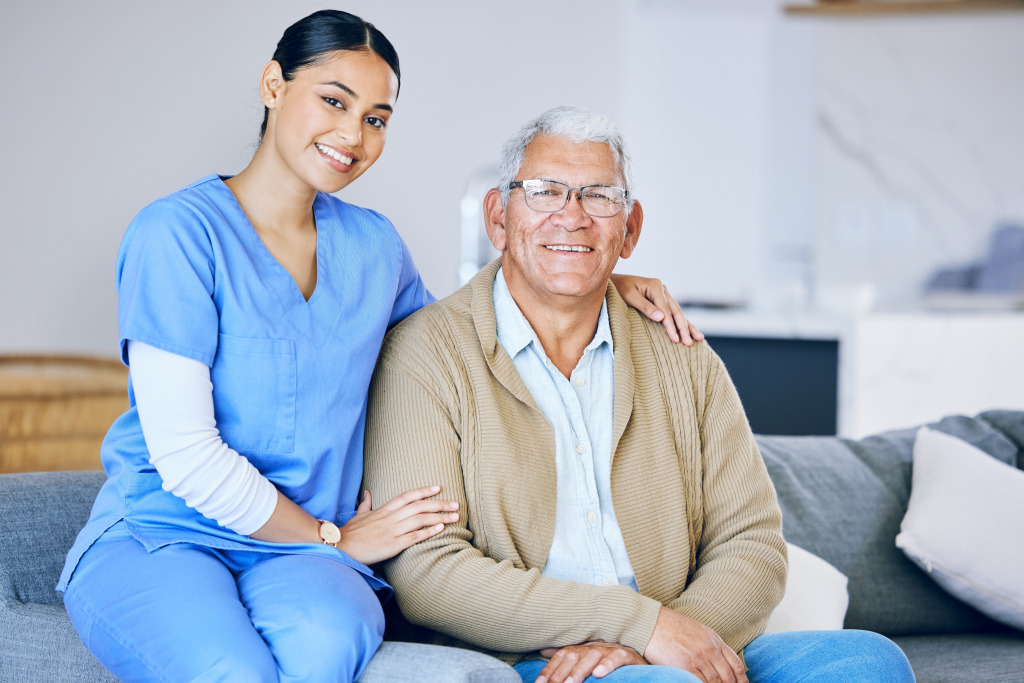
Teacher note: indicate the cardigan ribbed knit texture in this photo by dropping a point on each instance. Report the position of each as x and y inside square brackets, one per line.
[692, 496]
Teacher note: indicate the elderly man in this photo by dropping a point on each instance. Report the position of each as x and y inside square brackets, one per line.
[614, 513]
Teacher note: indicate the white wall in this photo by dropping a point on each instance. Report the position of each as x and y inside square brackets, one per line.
[718, 109]
[113, 103]
[731, 108]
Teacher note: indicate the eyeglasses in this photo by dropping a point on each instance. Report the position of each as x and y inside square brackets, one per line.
[549, 196]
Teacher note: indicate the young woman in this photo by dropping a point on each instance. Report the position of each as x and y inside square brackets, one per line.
[227, 542]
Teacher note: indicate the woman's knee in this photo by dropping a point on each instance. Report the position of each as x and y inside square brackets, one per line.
[173, 614]
[245, 658]
[257, 665]
[324, 625]
[329, 644]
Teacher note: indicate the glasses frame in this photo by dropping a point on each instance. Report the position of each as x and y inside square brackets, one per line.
[568, 193]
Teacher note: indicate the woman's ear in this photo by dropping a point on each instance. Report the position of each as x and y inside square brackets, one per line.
[494, 219]
[271, 84]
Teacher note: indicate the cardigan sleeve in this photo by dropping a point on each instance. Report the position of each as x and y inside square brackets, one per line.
[448, 584]
[740, 564]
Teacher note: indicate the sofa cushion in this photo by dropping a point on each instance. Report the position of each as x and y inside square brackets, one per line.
[1011, 424]
[40, 516]
[38, 643]
[968, 658]
[963, 524]
[815, 597]
[415, 663]
[843, 500]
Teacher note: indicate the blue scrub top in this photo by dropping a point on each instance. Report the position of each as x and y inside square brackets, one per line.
[290, 377]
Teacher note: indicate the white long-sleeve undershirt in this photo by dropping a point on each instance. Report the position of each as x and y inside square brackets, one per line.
[174, 398]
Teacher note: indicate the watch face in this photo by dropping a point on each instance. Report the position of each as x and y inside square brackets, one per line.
[330, 532]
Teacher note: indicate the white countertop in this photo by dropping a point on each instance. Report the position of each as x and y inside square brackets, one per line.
[819, 325]
[900, 368]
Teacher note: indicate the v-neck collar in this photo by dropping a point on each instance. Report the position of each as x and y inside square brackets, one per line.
[313, 317]
[256, 243]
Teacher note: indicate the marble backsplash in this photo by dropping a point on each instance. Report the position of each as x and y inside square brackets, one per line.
[920, 146]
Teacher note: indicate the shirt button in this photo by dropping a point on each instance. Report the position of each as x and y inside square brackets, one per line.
[581, 449]
[606, 582]
[580, 381]
[591, 516]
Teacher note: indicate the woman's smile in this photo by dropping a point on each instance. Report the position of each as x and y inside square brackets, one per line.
[336, 159]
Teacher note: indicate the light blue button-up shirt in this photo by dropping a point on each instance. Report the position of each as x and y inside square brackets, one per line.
[588, 546]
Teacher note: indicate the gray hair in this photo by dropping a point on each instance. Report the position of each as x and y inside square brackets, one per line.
[574, 124]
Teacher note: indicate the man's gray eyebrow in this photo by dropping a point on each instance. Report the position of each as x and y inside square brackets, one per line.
[350, 91]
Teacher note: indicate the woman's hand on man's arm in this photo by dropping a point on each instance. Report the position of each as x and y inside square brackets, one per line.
[376, 535]
[372, 535]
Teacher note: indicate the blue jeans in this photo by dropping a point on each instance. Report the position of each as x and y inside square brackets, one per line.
[796, 656]
[186, 612]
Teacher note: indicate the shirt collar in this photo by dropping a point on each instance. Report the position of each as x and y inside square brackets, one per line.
[515, 332]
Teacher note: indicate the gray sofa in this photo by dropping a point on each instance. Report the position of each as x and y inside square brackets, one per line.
[40, 515]
[842, 500]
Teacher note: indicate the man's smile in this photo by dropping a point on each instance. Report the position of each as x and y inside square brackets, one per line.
[566, 247]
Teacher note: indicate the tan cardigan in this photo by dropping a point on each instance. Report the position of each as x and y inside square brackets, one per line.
[691, 494]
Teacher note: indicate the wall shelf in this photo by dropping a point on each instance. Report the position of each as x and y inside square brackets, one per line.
[877, 7]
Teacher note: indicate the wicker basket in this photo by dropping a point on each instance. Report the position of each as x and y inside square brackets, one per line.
[55, 410]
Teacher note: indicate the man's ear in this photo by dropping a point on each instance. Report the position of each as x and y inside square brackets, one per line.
[271, 84]
[494, 219]
[634, 222]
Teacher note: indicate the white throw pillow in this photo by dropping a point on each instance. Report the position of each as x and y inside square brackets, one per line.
[965, 524]
[816, 598]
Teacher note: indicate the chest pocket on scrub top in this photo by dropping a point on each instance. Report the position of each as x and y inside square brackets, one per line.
[254, 388]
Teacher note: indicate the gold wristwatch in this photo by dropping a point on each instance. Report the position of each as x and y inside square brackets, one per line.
[330, 534]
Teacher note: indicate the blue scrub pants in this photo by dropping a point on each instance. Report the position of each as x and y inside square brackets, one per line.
[804, 656]
[185, 612]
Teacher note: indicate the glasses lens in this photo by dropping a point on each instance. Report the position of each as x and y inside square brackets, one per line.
[602, 201]
[545, 195]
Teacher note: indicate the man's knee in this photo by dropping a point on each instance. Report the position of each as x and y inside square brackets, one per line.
[874, 655]
[858, 656]
[849, 656]
[529, 669]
